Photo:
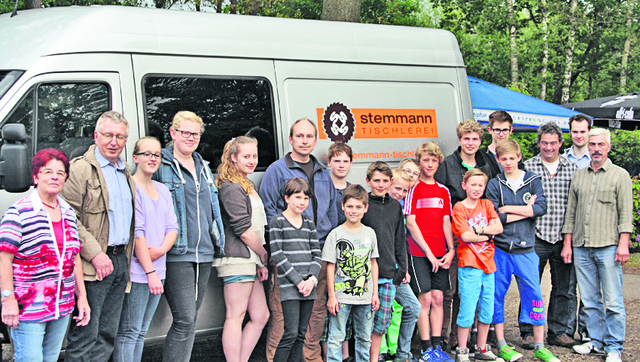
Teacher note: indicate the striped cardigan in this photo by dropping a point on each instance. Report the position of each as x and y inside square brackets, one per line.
[43, 277]
[296, 253]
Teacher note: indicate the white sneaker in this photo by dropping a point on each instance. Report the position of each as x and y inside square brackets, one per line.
[613, 357]
[588, 348]
[584, 337]
[462, 354]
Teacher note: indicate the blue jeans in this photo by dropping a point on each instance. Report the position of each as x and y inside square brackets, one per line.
[563, 301]
[362, 327]
[596, 268]
[137, 311]
[410, 314]
[184, 288]
[95, 341]
[39, 342]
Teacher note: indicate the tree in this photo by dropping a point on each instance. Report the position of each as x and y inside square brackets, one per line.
[569, 53]
[33, 4]
[545, 49]
[513, 43]
[341, 10]
[624, 66]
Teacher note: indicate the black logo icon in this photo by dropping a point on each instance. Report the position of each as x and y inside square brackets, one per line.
[338, 123]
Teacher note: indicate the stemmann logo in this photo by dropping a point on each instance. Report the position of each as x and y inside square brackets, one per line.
[338, 123]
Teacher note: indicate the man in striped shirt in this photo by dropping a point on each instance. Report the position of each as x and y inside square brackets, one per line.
[598, 224]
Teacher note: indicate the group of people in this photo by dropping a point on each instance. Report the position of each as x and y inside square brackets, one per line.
[340, 263]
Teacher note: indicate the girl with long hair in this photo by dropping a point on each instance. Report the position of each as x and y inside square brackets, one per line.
[243, 268]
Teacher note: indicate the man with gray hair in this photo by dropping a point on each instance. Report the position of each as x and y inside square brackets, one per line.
[556, 172]
[597, 225]
[101, 191]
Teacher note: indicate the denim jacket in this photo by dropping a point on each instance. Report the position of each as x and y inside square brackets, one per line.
[518, 237]
[170, 175]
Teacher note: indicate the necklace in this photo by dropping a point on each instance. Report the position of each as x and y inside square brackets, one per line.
[49, 206]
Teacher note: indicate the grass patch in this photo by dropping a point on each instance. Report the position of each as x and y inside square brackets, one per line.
[633, 265]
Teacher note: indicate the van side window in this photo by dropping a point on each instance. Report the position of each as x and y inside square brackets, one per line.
[66, 115]
[228, 107]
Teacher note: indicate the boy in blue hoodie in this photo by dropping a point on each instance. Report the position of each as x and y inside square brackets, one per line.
[518, 197]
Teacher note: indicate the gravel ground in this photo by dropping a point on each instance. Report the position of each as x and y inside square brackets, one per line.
[632, 307]
[210, 349]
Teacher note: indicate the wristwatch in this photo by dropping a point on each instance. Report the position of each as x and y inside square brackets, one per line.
[315, 280]
[6, 293]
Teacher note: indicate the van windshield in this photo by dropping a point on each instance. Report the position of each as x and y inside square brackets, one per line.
[7, 78]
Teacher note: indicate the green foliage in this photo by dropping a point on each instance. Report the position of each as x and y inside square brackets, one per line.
[6, 6]
[404, 12]
[635, 237]
[625, 150]
[527, 142]
[299, 9]
[600, 34]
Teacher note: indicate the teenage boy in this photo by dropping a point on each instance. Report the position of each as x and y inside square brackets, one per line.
[556, 172]
[450, 173]
[401, 182]
[339, 161]
[430, 248]
[475, 221]
[385, 217]
[351, 251]
[500, 128]
[518, 197]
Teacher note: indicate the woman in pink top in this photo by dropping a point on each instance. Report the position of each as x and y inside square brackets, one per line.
[40, 268]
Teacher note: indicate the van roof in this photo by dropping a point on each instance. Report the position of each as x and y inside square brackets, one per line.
[120, 29]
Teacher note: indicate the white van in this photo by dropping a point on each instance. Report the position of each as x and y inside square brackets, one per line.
[382, 89]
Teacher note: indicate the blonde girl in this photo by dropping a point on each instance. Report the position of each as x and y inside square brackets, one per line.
[243, 268]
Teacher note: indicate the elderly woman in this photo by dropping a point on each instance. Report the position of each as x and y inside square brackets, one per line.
[40, 268]
[200, 231]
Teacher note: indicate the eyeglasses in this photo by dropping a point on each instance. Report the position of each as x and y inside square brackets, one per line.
[187, 134]
[501, 131]
[414, 173]
[49, 172]
[119, 137]
[149, 155]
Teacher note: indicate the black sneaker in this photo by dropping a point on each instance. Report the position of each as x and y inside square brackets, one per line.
[445, 346]
[491, 337]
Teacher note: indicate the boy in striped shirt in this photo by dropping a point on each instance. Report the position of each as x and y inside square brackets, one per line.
[296, 253]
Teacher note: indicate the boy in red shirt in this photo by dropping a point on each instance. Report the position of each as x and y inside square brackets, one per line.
[430, 248]
[475, 221]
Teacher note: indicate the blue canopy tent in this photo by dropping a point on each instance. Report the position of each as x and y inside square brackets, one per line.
[528, 112]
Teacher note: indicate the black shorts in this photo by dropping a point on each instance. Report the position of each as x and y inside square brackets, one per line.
[423, 280]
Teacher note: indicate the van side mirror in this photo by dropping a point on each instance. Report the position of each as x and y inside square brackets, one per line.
[15, 167]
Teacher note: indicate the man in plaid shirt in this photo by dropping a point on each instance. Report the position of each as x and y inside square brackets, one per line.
[556, 172]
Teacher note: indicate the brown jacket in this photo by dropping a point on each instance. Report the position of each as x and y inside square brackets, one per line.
[84, 192]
